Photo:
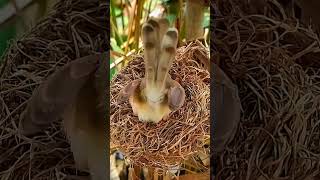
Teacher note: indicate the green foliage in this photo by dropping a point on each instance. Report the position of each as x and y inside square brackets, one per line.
[126, 17]
[3, 3]
[125, 20]
[7, 33]
[113, 70]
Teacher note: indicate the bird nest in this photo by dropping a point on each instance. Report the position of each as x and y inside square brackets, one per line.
[185, 132]
[274, 60]
[75, 28]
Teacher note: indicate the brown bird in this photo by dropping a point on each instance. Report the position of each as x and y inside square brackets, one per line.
[153, 97]
[77, 94]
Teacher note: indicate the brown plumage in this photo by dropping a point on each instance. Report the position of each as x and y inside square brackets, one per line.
[156, 95]
[77, 94]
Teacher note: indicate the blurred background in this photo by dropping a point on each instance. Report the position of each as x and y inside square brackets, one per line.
[17, 16]
[126, 18]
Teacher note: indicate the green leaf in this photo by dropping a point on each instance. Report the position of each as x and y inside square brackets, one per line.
[171, 18]
[172, 6]
[3, 3]
[117, 11]
[7, 33]
[113, 70]
[115, 46]
[206, 22]
[124, 37]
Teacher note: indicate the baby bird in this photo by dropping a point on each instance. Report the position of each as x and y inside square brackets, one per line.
[153, 97]
[77, 94]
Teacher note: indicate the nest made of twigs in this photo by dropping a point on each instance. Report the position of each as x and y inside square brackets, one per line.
[75, 28]
[170, 141]
[274, 61]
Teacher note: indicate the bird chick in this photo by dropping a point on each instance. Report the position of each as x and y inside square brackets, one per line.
[155, 96]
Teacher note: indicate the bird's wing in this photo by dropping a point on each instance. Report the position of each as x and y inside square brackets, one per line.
[50, 99]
